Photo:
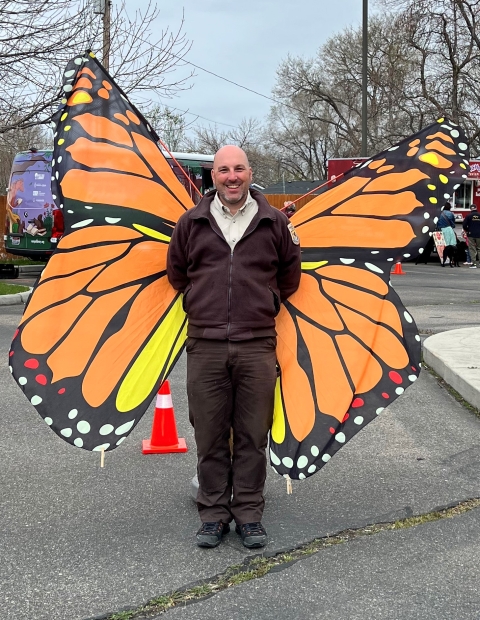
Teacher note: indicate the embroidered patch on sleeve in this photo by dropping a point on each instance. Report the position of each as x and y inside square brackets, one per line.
[294, 235]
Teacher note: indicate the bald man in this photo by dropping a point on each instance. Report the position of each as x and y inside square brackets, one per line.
[235, 259]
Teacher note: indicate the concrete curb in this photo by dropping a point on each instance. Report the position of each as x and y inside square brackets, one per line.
[31, 270]
[15, 299]
[452, 355]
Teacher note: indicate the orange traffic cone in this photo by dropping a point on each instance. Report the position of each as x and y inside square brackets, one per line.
[164, 437]
[398, 271]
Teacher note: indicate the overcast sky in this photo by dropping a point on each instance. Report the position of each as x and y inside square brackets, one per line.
[244, 41]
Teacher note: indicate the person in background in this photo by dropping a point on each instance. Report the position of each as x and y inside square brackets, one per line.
[446, 224]
[468, 260]
[471, 225]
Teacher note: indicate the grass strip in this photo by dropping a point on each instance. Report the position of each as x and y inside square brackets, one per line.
[458, 397]
[259, 566]
[10, 289]
[21, 261]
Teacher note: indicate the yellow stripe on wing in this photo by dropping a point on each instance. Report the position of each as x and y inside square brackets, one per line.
[278, 426]
[160, 349]
[311, 266]
[152, 233]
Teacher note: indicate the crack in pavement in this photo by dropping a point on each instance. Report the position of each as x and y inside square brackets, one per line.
[255, 567]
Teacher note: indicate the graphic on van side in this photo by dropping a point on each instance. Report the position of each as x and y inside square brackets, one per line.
[32, 217]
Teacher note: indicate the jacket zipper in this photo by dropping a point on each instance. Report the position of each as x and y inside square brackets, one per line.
[230, 272]
[230, 278]
[229, 304]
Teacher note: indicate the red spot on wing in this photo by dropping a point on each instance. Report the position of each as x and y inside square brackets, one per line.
[332, 430]
[61, 391]
[358, 402]
[385, 395]
[11, 353]
[395, 377]
[31, 363]
[42, 379]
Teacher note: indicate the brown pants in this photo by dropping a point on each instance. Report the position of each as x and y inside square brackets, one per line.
[231, 385]
[473, 248]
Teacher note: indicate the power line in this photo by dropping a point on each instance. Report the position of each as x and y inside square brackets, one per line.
[204, 118]
[210, 120]
[220, 77]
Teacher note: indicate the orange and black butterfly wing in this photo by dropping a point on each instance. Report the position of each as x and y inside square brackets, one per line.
[103, 327]
[384, 210]
[346, 345]
[347, 349]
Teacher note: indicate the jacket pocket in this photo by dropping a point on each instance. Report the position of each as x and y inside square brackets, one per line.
[276, 300]
[185, 294]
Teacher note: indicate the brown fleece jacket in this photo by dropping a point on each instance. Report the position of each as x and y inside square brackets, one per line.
[233, 295]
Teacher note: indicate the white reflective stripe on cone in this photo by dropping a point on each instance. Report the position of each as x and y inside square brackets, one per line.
[164, 401]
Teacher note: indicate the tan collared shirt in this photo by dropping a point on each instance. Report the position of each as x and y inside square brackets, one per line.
[233, 227]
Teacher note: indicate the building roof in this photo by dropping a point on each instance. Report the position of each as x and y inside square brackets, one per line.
[293, 187]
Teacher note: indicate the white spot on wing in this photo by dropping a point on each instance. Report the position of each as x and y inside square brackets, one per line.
[124, 428]
[106, 429]
[274, 458]
[373, 267]
[83, 427]
[82, 223]
[302, 462]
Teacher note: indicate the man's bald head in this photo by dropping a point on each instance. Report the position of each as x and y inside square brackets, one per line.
[229, 152]
[232, 176]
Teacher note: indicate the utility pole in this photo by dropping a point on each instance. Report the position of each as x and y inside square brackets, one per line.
[364, 77]
[106, 35]
[103, 7]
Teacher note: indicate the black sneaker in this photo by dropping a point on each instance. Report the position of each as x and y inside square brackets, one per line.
[253, 534]
[211, 532]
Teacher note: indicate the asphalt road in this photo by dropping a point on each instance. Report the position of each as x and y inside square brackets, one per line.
[78, 541]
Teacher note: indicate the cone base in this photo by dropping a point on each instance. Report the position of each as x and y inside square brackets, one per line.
[147, 447]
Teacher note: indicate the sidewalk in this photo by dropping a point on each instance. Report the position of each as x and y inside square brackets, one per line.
[20, 298]
[454, 356]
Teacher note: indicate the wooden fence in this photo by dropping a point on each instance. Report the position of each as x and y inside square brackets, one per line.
[278, 200]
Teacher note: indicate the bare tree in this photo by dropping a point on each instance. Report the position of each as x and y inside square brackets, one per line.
[248, 135]
[170, 126]
[207, 140]
[327, 90]
[38, 37]
[299, 143]
[445, 35]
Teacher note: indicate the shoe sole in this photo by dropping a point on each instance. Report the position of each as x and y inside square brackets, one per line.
[254, 544]
[207, 543]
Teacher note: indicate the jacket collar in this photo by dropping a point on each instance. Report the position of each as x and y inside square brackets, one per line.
[202, 210]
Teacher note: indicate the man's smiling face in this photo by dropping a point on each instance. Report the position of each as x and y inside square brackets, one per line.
[232, 175]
